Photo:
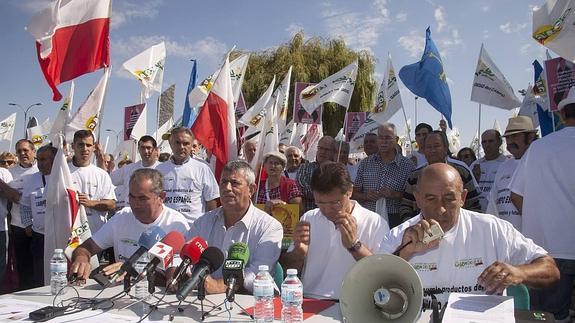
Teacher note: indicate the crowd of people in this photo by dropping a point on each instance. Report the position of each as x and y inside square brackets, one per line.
[507, 220]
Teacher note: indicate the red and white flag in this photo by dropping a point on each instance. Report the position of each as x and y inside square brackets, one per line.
[215, 126]
[72, 39]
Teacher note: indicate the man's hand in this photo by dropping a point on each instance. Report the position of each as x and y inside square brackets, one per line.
[81, 266]
[271, 203]
[347, 226]
[413, 239]
[214, 286]
[301, 237]
[84, 199]
[499, 276]
[372, 195]
[112, 269]
[28, 231]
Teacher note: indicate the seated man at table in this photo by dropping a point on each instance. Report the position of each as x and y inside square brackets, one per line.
[238, 220]
[329, 239]
[125, 228]
[478, 253]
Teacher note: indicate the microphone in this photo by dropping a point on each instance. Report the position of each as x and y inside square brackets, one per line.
[147, 240]
[190, 255]
[162, 253]
[233, 268]
[210, 261]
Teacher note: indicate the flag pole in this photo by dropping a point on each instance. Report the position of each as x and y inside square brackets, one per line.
[341, 142]
[479, 125]
[157, 116]
[416, 109]
[406, 124]
[553, 120]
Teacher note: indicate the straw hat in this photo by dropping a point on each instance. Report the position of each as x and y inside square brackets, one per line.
[519, 124]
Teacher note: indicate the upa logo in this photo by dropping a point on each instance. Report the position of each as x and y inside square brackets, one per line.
[92, 123]
[37, 140]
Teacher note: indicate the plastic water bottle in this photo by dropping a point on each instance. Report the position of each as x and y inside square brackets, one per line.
[264, 295]
[141, 288]
[58, 271]
[292, 298]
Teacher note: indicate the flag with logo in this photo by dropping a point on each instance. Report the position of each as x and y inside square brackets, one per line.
[336, 88]
[40, 134]
[269, 136]
[370, 125]
[282, 93]
[88, 114]
[427, 79]
[63, 116]
[148, 68]
[255, 115]
[215, 127]
[554, 27]
[388, 97]
[72, 39]
[490, 85]
[7, 132]
[287, 134]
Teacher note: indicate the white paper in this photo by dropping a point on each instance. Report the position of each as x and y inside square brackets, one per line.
[462, 308]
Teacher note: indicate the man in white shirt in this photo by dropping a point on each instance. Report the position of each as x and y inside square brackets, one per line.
[484, 169]
[96, 191]
[544, 189]
[238, 220]
[329, 239]
[418, 156]
[148, 150]
[33, 209]
[125, 228]
[190, 185]
[519, 135]
[478, 253]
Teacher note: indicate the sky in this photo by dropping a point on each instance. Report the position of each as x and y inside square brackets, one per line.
[206, 30]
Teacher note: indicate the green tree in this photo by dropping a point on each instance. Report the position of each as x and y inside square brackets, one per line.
[312, 60]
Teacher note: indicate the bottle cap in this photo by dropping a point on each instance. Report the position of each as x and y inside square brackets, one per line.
[58, 250]
[292, 271]
[263, 268]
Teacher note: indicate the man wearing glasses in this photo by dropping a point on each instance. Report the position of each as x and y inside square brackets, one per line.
[329, 239]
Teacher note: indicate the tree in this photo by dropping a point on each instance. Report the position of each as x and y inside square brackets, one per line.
[313, 60]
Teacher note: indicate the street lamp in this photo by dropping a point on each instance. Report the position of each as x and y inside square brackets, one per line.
[25, 114]
[117, 134]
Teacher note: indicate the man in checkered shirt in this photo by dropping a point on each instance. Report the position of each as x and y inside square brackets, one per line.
[383, 176]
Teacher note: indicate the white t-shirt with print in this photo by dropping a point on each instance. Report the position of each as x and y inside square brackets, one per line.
[34, 199]
[19, 175]
[5, 176]
[488, 171]
[475, 242]
[188, 187]
[123, 230]
[95, 182]
[328, 261]
[500, 195]
[121, 179]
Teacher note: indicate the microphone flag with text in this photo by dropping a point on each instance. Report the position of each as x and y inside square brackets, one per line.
[233, 268]
[190, 255]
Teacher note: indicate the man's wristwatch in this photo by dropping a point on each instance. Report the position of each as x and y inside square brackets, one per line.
[355, 246]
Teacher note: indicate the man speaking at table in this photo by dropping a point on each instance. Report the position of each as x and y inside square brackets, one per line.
[124, 229]
[478, 253]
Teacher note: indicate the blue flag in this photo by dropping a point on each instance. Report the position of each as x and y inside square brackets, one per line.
[190, 114]
[427, 79]
[545, 118]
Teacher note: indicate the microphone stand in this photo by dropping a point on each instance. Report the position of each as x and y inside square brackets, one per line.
[201, 296]
[232, 301]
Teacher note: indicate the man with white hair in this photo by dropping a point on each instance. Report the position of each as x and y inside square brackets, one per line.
[294, 157]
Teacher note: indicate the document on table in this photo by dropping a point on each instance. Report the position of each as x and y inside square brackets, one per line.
[472, 308]
[15, 310]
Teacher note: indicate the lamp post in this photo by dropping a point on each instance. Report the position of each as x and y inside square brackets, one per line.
[25, 114]
[117, 133]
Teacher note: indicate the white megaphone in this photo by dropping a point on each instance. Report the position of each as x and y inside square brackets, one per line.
[381, 288]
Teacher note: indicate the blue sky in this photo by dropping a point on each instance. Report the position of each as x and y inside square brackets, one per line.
[205, 30]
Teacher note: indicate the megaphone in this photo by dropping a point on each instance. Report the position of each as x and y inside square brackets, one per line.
[381, 288]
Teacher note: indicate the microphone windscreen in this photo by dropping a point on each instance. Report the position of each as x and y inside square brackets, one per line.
[239, 251]
[214, 257]
[149, 237]
[193, 249]
[174, 239]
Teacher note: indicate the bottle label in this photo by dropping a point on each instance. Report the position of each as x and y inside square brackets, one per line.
[262, 289]
[59, 267]
[292, 293]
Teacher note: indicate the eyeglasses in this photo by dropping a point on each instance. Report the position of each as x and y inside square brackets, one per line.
[7, 162]
[337, 203]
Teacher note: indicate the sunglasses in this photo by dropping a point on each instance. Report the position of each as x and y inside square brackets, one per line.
[7, 162]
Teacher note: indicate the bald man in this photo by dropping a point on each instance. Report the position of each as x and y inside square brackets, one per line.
[479, 252]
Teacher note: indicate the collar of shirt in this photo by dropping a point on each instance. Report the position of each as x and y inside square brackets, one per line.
[395, 159]
[246, 220]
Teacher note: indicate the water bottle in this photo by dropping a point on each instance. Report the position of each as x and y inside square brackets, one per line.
[58, 271]
[264, 295]
[292, 298]
[141, 288]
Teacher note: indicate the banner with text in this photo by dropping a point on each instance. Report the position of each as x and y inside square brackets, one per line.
[560, 78]
[131, 115]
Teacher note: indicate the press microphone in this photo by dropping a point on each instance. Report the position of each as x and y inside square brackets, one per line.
[147, 240]
[190, 255]
[210, 261]
[162, 253]
[233, 268]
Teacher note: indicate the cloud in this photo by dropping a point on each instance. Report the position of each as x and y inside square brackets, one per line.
[412, 43]
[509, 28]
[401, 17]
[32, 6]
[440, 18]
[360, 31]
[293, 28]
[484, 7]
[125, 11]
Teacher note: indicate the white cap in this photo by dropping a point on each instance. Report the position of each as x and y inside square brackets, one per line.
[58, 250]
[263, 268]
[292, 271]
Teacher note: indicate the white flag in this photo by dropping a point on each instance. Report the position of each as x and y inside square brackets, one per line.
[40, 134]
[7, 132]
[88, 114]
[529, 106]
[287, 134]
[370, 125]
[255, 115]
[63, 116]
[300, 131]
[388, 97]
[554, 27]
[269, 136]
[238, 67]
[310, 141]
[282, 93]
[139, 128]
[337, 88]
[148, 68]
[490, 86]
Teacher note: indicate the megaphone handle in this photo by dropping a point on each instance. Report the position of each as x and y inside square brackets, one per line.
[435, 309]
